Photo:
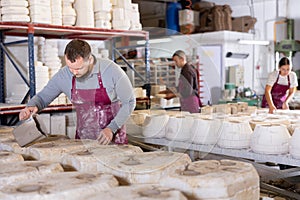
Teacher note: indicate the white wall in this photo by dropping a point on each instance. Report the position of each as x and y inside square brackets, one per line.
[267, 12]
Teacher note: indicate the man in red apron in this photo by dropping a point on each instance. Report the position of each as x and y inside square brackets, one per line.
[280, 88]
[94, 112]
[187, 89]
[99, 89]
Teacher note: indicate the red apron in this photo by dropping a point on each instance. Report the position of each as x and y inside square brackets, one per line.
[189, 104]
[278, 93]
[94, 112]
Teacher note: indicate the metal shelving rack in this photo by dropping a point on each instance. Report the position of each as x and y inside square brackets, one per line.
[162, 72]
[31, 30]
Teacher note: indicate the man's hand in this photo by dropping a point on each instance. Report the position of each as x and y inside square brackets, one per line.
[169, 94]
[27, 112]
[105, 136]
[163, 92]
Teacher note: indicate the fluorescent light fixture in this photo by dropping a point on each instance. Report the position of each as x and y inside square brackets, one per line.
[257, 42]
[237, 55]
[154, 41]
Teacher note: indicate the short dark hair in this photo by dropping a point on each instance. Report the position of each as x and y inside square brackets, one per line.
[284, 61]
[179, 53]
[77, 48]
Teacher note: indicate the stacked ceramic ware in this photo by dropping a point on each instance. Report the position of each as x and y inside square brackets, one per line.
[294, 143]
[95, 51]
[270, 139]
[49, 54]
[85, 13]
[40, 11]
[102, 13]
[178, 128]
[126, 15]
[134, 17]
[56, 12]
[121, 15]
[154, 126]
[40, 41]
[68, 13]
[41, 75]
[205, 131]
[12, 10]
[99, 51]
[235, 134]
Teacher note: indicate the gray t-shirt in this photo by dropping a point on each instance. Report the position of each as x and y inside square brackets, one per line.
[116, 82]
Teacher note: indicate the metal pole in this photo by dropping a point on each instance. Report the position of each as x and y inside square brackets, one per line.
[290, 29]
[31, 60]
[147, 85]
[147, 59]
[113, 47]
[2, 71]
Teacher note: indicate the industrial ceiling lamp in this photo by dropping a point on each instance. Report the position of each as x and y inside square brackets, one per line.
[256, 42]
[237, 55]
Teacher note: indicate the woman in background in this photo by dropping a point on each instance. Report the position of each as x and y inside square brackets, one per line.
[280, 88]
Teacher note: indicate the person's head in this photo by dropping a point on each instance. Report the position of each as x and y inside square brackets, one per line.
[179, 58]
[79, 58]
[284, 66]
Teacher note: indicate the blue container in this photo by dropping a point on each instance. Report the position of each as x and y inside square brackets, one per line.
[172, 18]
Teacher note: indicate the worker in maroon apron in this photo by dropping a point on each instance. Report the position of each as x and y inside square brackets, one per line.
[189, 103]
[94, 112]
[99, 89]
[280, 87]
[187, 89]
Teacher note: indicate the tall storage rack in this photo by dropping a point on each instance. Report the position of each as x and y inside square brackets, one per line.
[162, 72]
[30, 30]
